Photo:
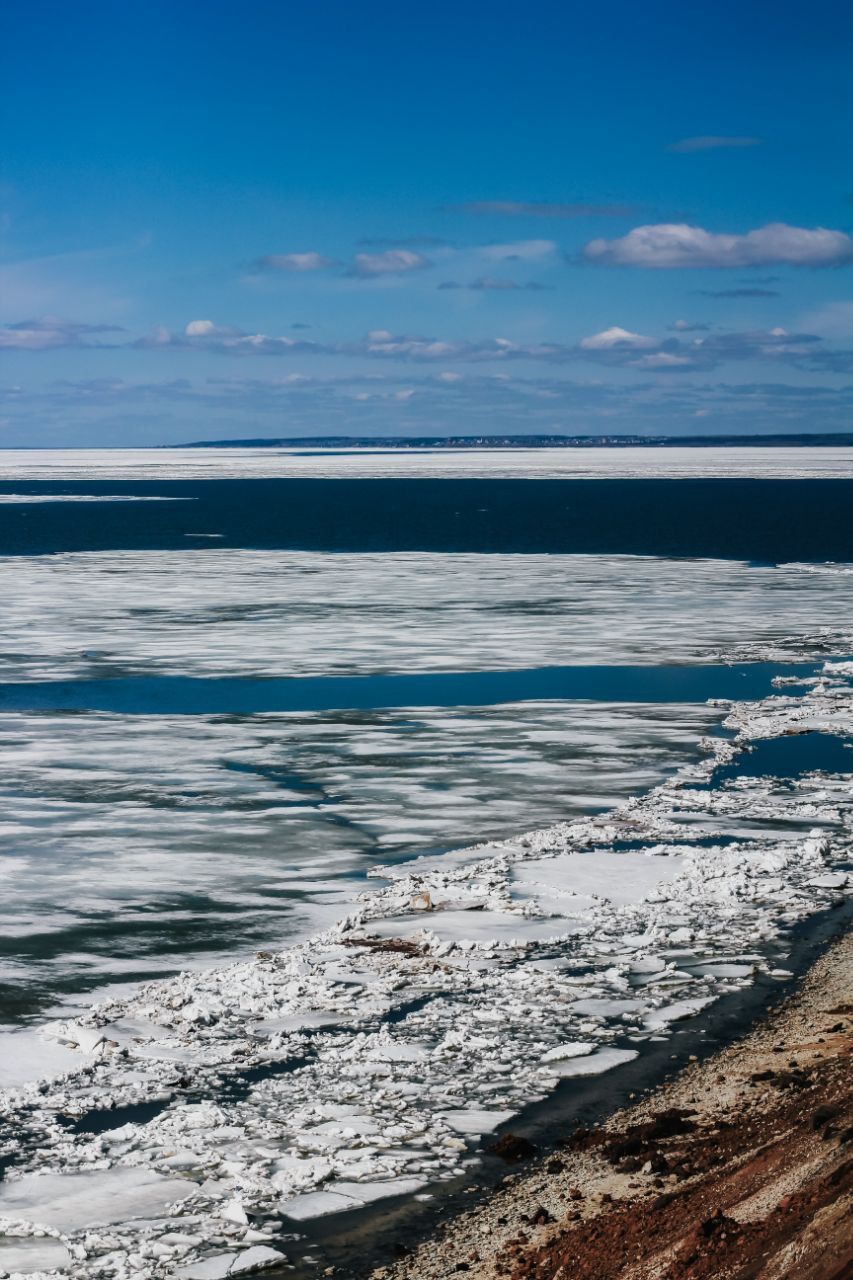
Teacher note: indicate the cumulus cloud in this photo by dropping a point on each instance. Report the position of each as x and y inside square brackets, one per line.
[391, 262]
[298, 262]
[544, 209]
[683, 354]
[681, 245]
[205, 329]
[205, 335]
[686, 347]
[711, 142]
[616, 338]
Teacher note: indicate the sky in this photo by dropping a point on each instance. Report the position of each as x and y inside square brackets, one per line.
[224, 220]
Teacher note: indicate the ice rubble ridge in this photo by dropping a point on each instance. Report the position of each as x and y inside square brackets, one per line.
[449, 999]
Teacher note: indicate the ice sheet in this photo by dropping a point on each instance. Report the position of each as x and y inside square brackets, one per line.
[178, 463]
[70, 1201]
[278, 613]
[446, 1034]
[224, 832]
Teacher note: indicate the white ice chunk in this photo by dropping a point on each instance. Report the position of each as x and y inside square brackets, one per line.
[24, 1256]
[221, 1265]
[621, 878]
[831, 880]
[472, 926]
[25, 1056]
[593, 1065]
[68, 1201]
[675, 1012]
[86, 1039]
[475, 1122]
[578, 1049]
[317, 1204]
[369, 1191]
[611, 1008]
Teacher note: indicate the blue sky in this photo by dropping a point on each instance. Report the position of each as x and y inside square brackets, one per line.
[224, 220]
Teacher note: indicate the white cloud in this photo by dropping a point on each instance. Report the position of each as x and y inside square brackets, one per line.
[518, 251]
[296, 262]
[200, 329]
[615, 337]
[680, 245]
[390, 262]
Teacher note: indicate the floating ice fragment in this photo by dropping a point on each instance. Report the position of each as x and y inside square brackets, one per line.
[317, 1204]
[677, 1011]
[474, 1122]
[222, 1265]
[568, 883]
[69, 1201]
[832, 880]
[611, 1008]
[564, 1051]
[594, 1064]
[24, 1256]
[366, 1192]
[86, 1039]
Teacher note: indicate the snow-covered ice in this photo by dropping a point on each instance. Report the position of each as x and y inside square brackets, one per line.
[563, 463]
[454, 993]
[278, 613]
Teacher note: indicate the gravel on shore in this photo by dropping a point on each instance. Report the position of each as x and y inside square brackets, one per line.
[741, 1168]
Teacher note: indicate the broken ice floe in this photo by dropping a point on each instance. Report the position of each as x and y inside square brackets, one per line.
[243, 462]
[368, 1062]
[278, 613]
[228, 833]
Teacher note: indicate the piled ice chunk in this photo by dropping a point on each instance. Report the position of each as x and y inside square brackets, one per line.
[370, 1061]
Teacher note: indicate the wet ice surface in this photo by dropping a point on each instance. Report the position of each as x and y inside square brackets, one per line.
[676, 461]
[458, 992]
[288, 613]
[134, 845]
[29, 498]
[368, 1058]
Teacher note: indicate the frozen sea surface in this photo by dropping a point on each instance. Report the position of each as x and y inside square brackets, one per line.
[134, 845]
[333, 1040]
[138, 844]
[372, 1059]
[244, 463]
[290, 613]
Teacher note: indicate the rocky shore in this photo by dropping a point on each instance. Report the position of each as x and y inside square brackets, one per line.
[741, 1167]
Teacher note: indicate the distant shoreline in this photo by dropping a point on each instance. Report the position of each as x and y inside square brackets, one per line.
[523, 442]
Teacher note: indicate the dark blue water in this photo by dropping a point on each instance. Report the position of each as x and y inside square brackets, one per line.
[138, 851]
[185, 695]
[760, 520]
[789, 757]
